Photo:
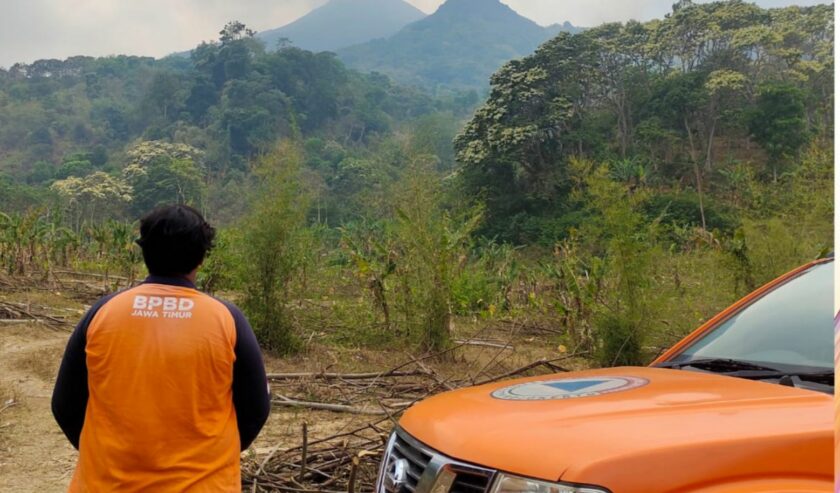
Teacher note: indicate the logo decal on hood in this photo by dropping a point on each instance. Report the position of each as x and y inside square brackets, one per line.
[568, 388]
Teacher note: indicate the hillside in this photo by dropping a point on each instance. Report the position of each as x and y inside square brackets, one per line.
[230, 101]
[459, 46]
[343, 23]
[709, 120]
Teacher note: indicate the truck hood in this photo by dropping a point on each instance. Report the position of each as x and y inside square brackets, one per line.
[633, 429]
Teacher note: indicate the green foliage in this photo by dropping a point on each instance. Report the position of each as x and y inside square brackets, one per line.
[77, 169]
[796, 224]
[220, 269]
[577, 280]
[630, 242]
[778, 122]
[17, 197]
[432, 135]
[36, 242]
[411, 263]
[621, 341]
[370, 248]
[653, 99]
[682, 210]
[116, 247]
[273, 248]
[231, 100]
[160, 173]
[431, 243]
[92, 198]
[485, 281]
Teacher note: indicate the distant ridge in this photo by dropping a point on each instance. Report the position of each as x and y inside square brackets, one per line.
[566, 27]
[459, 46]
[342, 23]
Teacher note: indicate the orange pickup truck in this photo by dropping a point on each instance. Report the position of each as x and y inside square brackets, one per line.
[744, 404]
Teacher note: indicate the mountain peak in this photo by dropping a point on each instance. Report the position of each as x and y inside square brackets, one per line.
[474, 7]
[341, 23]
[459, 46]
[472, 4]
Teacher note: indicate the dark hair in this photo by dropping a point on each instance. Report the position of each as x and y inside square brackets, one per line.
[175, 239]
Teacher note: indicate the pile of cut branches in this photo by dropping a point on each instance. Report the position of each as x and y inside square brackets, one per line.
[22, 313]
[375, 394]
[348, 461]
[344, 462]
[82, 286]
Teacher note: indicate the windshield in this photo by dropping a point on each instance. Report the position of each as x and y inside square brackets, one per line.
[791, 326]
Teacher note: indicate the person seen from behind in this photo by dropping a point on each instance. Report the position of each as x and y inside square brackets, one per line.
[162, 386]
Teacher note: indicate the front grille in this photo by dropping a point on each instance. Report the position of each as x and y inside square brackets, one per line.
[411, 467]
[417, 460]
[470, 483]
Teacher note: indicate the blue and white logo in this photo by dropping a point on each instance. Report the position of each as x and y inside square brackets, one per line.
[568, 388]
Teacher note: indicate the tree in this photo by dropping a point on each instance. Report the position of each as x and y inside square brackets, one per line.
[283, 43]
[724, 88]
[433, 135]
[273, 247]
[409, 262]
[778, 123]
[514, 151]
[235, 31]
[146, 152]
[74, 166]
[618, 225]
[92, 198]
[164, 94]
[162, 173]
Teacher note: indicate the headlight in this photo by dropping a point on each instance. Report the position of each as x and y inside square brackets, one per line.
[512, 484]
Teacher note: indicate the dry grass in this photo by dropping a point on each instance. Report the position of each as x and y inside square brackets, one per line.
[42, 363]
[8, 402]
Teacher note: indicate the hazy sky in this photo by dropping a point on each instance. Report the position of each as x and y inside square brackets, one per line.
[33, 29]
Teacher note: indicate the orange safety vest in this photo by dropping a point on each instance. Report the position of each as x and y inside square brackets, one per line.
[160, 415]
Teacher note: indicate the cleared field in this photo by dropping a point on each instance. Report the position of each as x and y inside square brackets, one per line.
[36, 457]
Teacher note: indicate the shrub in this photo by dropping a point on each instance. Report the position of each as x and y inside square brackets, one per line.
[485, 280]
[273, 248]
[683, 209]
[621, 341]
[629, 238]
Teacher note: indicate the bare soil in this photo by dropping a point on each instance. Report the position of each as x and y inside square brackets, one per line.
[34, 454]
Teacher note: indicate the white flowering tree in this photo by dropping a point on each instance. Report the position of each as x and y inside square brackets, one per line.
[93, 198]
[164, 173]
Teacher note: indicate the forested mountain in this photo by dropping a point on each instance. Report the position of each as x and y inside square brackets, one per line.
[459, 46]
[230, 102]
[343, 23]
[706, 98]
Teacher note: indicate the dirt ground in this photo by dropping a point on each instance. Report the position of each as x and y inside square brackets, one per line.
[34, 454]
[36, 457]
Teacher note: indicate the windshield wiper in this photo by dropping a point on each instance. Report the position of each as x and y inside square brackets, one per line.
[790, 378]
[719, 365]
[824, 376]
[753, 371]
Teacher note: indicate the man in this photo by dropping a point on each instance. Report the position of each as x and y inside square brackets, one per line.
[162, 386]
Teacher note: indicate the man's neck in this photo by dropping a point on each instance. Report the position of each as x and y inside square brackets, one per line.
[176, 280]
